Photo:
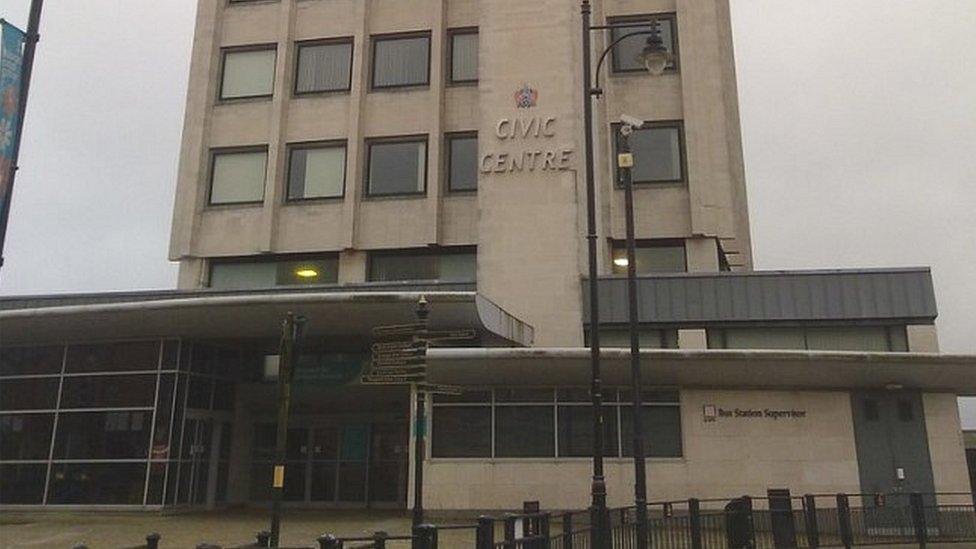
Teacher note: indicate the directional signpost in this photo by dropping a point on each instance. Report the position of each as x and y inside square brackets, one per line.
[400, 358]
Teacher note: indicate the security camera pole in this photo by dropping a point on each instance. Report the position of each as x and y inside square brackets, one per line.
[625, 162]
[14, 86]
[655, 57]
[291, 332]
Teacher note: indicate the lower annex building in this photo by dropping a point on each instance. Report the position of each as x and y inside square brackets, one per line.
[343, 158]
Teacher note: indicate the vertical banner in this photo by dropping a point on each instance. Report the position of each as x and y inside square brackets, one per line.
[11, 58]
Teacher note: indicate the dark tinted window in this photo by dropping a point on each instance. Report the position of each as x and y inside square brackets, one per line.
[651, 257]
[461, 431]
[108, 391]
[625, 54]
[30, 360]
[576, 431]
[98, 483]
[242, 275]
[102, 435]
[662, 431]
[397, 167]
[22, 483]
[464, 56]
[25, 436]
[657, 153]
[524, 431]
[462, 162]
[401, 61]
[28, 394]
[323, 67]
[455, 267]
[113, 357]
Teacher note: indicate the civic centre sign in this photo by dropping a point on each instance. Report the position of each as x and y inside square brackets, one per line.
[533, 134]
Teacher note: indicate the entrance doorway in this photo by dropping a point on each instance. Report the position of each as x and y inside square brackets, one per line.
[892, 443]
[352, 464]
[204, 460]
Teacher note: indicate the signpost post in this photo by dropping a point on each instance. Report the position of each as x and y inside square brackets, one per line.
[291, 331]
[400, 358]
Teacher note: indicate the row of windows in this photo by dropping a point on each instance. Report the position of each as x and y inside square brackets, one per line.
[550, 423]
[402, 60]
[395, 166]
[398, 166]
[883, 339]
[457, 264]
[323, 66]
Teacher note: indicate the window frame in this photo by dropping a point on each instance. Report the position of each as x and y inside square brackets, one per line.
[438, 251]
[448, 138]
[449, 62]
[273, 259]
[649, 125]
[299, 44]
[411, 138]
[617, 398]
[215, 152]
[717, 335]
[646, 17]
[616, 244]
[374, 39]
[313, 145]
[267, 46]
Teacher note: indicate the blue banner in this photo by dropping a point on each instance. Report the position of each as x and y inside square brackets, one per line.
[11, 57]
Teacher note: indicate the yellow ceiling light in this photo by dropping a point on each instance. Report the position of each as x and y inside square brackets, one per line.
[306, 272]
[621, 262]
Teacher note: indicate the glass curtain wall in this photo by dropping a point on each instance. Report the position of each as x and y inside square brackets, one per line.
[100, 423]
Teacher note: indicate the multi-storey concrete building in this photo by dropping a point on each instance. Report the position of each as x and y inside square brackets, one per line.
[342, 158]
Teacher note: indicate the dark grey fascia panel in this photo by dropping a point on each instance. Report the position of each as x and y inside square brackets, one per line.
[862, 295]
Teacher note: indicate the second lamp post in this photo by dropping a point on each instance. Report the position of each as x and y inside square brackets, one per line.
[655, 57]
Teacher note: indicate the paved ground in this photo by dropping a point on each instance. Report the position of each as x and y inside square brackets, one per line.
[113, 530]
[300, 528]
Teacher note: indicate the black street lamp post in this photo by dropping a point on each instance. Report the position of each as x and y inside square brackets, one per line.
[655, 59]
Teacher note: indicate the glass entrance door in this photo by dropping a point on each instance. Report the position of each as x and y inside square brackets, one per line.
[352, 465]
[194, 464]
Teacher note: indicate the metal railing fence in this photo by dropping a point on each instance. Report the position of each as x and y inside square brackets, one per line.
[775, 521]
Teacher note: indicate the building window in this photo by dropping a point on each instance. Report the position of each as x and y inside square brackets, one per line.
[396, 166]
[651, 257]
[463, 430]
[316, 171]
[250, 274]
[649, 338]
[324, 66]
[834, 338]
[462, 162]
[625, 54]
[658, 150]
[237, 177]
[547, 422]
[464, 56]
[451, 265]
[248, 73]
[401, 60]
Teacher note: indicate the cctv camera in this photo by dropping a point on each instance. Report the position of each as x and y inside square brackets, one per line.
[633, 122]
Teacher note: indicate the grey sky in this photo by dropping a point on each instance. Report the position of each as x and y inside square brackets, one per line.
[858, 122]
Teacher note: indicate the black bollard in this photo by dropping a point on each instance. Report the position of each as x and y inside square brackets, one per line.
[264, 538]
[152, 541]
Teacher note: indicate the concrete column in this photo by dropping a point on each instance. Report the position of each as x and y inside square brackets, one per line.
[922, 338]
[695, 338]
[193, 274]
[194, 152]
[352, 266]
[702, 255]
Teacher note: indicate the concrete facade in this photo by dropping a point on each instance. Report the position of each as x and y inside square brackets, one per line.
[528, 226]
[813, 454]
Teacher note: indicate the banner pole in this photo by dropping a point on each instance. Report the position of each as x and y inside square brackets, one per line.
[27, 66]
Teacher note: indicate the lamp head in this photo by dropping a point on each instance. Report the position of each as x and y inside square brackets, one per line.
[655, 57]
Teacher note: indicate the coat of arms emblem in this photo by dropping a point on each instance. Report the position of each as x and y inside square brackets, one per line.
[526, 97]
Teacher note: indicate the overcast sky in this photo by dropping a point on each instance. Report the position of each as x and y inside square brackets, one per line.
[858, 121]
